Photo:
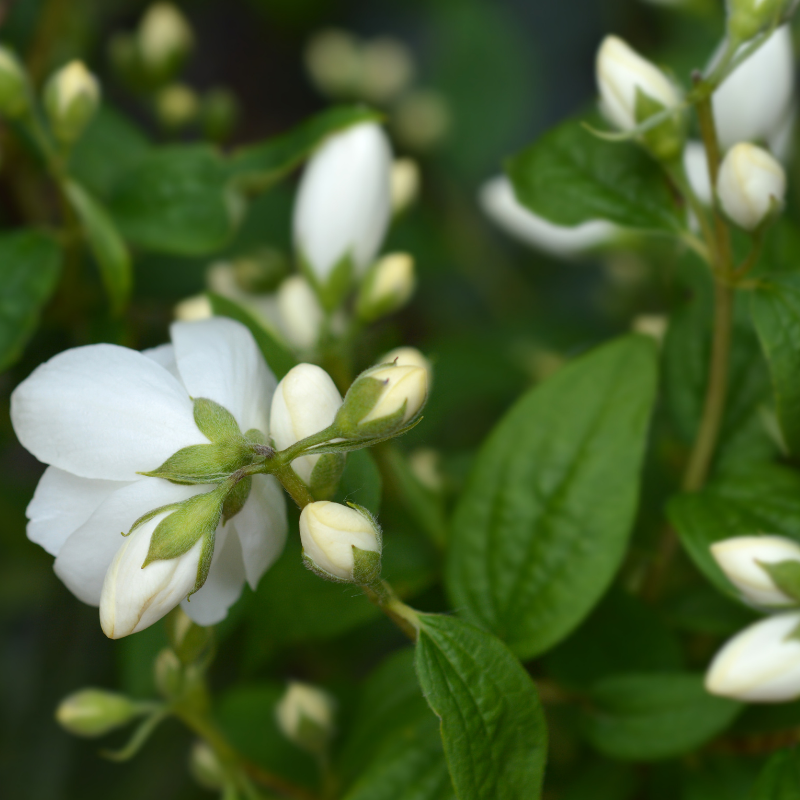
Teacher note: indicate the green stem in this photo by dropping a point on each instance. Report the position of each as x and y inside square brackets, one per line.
[294, 486]
[383, 596]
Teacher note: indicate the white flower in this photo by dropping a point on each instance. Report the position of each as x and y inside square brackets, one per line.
[330, 532]
[741, 559]
[761, 664]
[305, 402]
[750, 185]
[100, 415]
[305, 715]
[344, 201]
[499, 203]
[300, 314]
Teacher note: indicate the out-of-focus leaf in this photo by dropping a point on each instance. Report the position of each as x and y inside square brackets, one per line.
[175, 200]
[570, 176]
[543, 523]
[780, 779]
[30, 263]
[493, 728]
[361, 481]
[654, 716]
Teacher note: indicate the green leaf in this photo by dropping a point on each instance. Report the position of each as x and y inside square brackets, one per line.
[257, 167]
[109, 250]
[780, 779]
[278, 358]
[775, 307]
[543, 523]
[570, 176]
[492, 724]
[30, 264]
[174, 200]
[652, 717]
[753, 498]
[361, 482]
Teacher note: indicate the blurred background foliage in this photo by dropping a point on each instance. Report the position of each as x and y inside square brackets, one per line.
[493, 316]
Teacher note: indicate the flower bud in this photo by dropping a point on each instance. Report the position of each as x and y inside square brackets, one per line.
[653, 325]
[300, 312]
[404, 184]
[343, 208]
[189, 641]
[751, 185]
[382, 400]
[386, 69]
[306, 402]
[425, 463]
[408, 357]
[341, 543]
[206, 768]
[260, 271]
[219, 113]
[71, 98]
[193, 308]
[753, 563]
[422, 119]
[93, 712]
[761, 664]
[168, 674]
[305, 716]
[176, 106]
[333, 62]
[387, 287]
[13, 85]
[746, 18]
[165, 39]
[632, 90]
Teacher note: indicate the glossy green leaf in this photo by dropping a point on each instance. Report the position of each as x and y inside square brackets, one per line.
[175, 200]
[492, 724]
[775, 307]
[570, 176]
[780, 779]
[649, 717]
[106, 244]
[30, 264]
[751, 499]
[543, 522]
[278, 358]
[256, 167]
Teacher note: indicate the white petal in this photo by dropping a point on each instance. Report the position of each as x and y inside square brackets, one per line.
[164, 355]
[87, 554]
[696, 165]
[224, 583]
[261, 526]
[103, 411]
[61, 503]
[218, 359]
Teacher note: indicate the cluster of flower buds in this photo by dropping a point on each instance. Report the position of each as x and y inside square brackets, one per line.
[762, 663]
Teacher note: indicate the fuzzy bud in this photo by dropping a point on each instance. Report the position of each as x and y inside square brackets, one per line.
[71, 98]
[305, 716]
[176, 106]
[341, 543]
[165, 39]
[408, 357]
[333, 62]
[13, 85]
[206, 768]
[387, 287]
[747, 18]
[300, 313]
[405, 181]
[751, 185]
[761, 664]
[94, 712]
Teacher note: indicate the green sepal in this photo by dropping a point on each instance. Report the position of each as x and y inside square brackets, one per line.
[255, 436]
[312, 736]
[326, 475]
[665, 140]
[360, 399]
[140, 736]
[368, 307]
[180, 531]
[236, 498]
[785, 575]
[366, 566]
[206, 556]
[332, 292]
[154, 513]
[204, 463]
[216, 423]
[319, 572]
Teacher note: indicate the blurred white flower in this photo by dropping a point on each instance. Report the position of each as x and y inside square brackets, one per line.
[405, 180]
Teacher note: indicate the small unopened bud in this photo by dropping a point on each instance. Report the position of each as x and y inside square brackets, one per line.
[13, 88]
[189, 640]
[206, 768]
[386, 69]
[260, 271]
[425, 463]
[305, 716]
[71, 98]
[653, 325]
[176, 106]
[746, 18]
[632, 90]
[93, 712]
[765, 569]
[761, 664]
[405, 182]
[193, 308]
[341, 543]
[306, 402]
[408, 357]
[333, 62]
[165, 39]
[301, 315]
[751, 185]
[168, 674]
[219, 112]
[422, 119]
[387, 287]
[382, 400]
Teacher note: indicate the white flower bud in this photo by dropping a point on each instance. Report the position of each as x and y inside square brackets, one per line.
[305, 402]
[761, 664]
[13, 88]
[193, 308]
[165, 39]
[386, 69]
[425, 463]
[653, 325]
[742, 558]
[168, 674]
[422, 119]
[333, 62]
[340, 542]
[93, 712]
[382, 400]
[404, 183]
[632, 89]
[300, 313]
[750, 186]
[133, 596]
[176, 105]
[343, 203]
[387, 287]
[71, 98]
[305, 716]
[206, 768]
[408, 357]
